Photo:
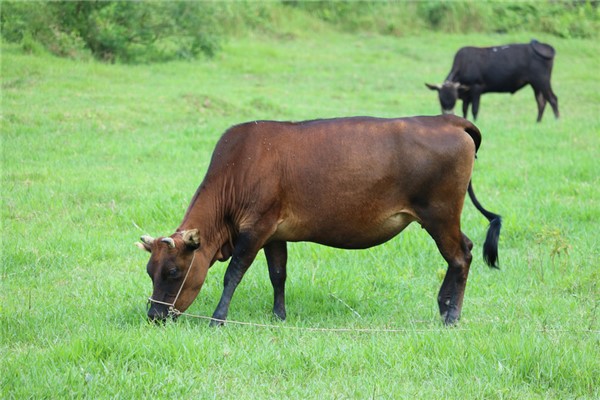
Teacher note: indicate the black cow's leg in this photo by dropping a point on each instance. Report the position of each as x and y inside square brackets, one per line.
[465, 108]
[549, 94]
[543, 92]
[475, 109]
[276, 253]
[541, 103]
[244, 252]
[455, 247]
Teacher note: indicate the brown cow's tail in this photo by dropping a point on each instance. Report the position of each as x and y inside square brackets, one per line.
[473, 131]
[490, 246]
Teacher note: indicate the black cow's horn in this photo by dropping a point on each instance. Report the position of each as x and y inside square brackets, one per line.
[169, 241]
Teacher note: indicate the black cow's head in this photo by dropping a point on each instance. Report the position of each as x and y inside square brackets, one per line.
[448, 94]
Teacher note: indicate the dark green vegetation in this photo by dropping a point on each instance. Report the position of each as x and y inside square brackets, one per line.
[137, 32]
[95, 155]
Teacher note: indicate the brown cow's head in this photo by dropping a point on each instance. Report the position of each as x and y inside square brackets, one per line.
[170, 259]
[448, 94]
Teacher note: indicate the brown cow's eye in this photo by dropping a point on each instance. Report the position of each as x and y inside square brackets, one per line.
[173, 272]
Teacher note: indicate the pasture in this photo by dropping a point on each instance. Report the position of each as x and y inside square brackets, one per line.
[95, 155]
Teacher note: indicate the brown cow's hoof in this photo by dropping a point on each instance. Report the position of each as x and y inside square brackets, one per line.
[451, 321]
[451, 317]
[217, 322]
[279, 314]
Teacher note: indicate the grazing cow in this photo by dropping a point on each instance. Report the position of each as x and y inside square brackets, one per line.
[502, 69]
[349, 183]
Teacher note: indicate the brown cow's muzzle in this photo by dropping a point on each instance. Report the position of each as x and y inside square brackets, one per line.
[159, 313]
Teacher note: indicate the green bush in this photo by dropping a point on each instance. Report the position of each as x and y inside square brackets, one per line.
[151, 31]
[561, 18]
[38, 26]
[136, 32]
[384, 17]
[30, 45]
[128, 32]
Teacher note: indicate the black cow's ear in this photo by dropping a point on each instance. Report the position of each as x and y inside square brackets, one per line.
[191, 238]
[433, 87]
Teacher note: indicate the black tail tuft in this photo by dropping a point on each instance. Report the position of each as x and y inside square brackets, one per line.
[490, 246]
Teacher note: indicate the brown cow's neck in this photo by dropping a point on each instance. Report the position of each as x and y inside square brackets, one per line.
[205, 213]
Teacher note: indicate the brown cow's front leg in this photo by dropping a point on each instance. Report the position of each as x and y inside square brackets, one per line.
[452, 292]
[243, 255]
[276, 253]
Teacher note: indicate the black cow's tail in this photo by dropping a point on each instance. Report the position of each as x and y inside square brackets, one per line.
[490, 246]
[542, 49]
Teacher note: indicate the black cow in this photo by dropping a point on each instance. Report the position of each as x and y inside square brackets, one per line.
[501, 69]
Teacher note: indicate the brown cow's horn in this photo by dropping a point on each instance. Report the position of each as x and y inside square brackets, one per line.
[147, 239]
[169, 241]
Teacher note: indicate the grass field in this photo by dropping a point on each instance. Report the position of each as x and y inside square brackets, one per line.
[95, 155]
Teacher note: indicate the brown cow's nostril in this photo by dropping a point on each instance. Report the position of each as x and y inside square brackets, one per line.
[155, 315]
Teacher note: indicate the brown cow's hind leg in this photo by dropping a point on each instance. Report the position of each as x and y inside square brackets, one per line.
[455, 247]
[276, 254]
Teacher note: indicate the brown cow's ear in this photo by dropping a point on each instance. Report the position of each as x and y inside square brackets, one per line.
[433, 87]
[191, 238]
[143, 246]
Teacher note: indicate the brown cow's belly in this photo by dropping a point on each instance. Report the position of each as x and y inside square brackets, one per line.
[344, 234]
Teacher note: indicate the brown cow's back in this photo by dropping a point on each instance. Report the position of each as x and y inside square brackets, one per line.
[349, 183]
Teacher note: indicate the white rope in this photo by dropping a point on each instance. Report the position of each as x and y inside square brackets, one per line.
[176, 312]
[172, 309]
[309, 329]
[185, 278]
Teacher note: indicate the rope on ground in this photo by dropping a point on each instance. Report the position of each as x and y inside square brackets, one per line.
[175, 312]
[309, 329]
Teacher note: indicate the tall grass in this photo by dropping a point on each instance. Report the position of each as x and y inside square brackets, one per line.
[95, 155]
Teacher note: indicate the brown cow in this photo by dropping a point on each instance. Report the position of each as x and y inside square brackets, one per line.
[349, 183]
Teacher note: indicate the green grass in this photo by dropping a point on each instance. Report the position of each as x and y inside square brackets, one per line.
[96, 155]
